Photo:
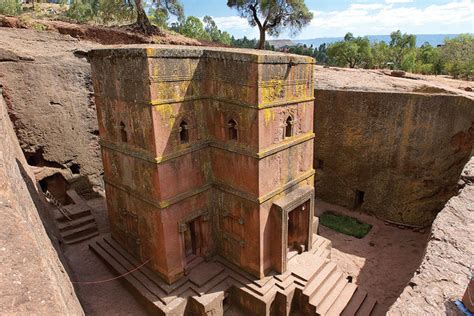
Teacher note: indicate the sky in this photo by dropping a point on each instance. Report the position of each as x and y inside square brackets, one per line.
[334, 18]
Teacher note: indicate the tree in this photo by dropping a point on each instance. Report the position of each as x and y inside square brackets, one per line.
[458, 56]
[380, 55]
[352, 52]
[402, 48]
[10, 7]
[194, 28]
[273, 16]
[166, 7]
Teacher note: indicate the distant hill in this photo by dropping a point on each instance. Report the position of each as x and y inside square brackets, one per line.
[433, 39]
[281, 42]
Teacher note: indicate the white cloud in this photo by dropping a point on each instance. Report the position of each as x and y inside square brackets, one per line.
[398, 1]
[372, 18]
[236, 25]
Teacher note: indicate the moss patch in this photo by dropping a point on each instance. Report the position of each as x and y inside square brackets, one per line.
[345, 224]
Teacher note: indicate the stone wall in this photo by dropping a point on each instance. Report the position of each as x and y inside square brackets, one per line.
[32, 278]
[157, 183]
[395, 155]
[445, 271]
[47, 86]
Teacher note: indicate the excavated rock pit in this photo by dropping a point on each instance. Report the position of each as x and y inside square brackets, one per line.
[46, 85]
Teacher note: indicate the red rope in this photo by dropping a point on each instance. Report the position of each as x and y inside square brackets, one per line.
[115, 278]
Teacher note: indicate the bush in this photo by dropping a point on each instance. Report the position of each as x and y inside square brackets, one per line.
[345, 224]
[81, 12]
[10, 7]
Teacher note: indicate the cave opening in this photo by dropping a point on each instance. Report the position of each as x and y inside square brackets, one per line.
[57, 186]
[358, 199]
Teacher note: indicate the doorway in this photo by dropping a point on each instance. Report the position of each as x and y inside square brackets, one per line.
[192, 240]
[298, 225]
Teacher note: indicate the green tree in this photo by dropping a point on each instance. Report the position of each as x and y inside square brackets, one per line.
[273, 16]
[352, 52]
[458, 56]
[10, 7]
[403, 50]
[380, 55]
[165, 7]
[193, 27]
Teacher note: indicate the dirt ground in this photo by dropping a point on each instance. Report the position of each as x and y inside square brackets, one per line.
[383, 262]
[109, 298]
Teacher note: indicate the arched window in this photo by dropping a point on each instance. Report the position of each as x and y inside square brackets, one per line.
[232, 126]
[289, 127]
[123, 132]
[183, 132]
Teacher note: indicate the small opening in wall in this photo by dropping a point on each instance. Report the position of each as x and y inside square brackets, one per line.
[232, 129]
[289, 127]
[183, 132]
[319, 164]
[359, 199]
[123, 133]
[75, 168]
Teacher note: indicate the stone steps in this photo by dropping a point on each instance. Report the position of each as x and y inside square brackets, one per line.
[312, 282]
[361, 304]
[80, 233]
[342, 300]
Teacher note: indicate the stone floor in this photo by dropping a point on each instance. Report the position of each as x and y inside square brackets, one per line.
[382, 262]
[398, 250]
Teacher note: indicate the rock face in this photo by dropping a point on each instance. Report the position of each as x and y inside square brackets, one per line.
[396, 155]
[32, 278]
[49, 95]
[445, 271]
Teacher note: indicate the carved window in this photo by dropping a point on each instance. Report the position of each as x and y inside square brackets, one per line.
[184, 132]
[288, 127]
[232, 127]
[123, 133]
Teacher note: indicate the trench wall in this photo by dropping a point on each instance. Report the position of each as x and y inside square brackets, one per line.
[395, 155]
[33, 279]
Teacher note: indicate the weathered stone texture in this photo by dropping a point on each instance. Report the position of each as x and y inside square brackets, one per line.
[143, 96]
[32, 278]
[405, 151]
[49, 95]
[446, 268]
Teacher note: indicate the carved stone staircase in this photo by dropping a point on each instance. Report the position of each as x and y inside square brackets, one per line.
[78, 224]
[312, 285]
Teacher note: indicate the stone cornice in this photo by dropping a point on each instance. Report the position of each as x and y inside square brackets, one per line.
[268, 151]
[162, 204]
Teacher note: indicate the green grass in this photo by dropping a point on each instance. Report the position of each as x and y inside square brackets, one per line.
[345, 224]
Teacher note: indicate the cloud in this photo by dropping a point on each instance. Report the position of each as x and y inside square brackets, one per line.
[236, 26]
[375, 18]
[398, 1]
[372, 18]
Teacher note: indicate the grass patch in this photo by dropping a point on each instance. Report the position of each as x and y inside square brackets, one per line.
[345, 224]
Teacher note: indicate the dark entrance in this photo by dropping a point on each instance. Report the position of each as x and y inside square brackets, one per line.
[298, 226]
[192, 239]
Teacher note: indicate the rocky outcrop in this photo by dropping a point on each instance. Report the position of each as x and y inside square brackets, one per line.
[32, 278]
[47, 86]
[445, 271]
[397, 155]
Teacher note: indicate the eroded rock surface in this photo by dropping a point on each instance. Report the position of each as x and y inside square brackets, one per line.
[32, 278]
[47, 87]
[397, 155]
[445, 271]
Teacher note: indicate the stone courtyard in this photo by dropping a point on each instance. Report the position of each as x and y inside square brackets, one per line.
[211, 159]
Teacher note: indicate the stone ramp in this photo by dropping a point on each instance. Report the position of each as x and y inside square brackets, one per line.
[312, 285]
[78, 223]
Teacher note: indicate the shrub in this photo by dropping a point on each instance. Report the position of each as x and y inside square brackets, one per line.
[345, 224]
[10, 7]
